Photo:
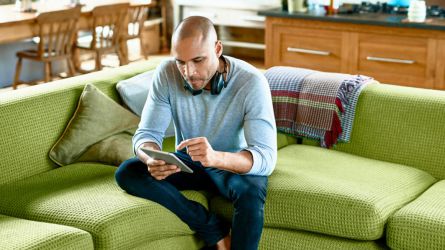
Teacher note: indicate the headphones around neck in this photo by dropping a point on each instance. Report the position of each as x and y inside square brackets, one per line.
[217, 82]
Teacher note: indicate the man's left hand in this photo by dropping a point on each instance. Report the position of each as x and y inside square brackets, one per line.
[200, 150]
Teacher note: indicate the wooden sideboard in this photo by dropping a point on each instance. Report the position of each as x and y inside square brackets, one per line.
[395, 55]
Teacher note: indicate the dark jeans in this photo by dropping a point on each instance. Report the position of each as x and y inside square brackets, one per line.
[246, 192]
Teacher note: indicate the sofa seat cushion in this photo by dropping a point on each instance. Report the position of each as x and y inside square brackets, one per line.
[421, 223]
[335, 193]
[282, 239]
[86, 196]
[186, 242]
[18, 233]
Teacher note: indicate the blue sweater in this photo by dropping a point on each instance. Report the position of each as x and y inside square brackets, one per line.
[241, 117]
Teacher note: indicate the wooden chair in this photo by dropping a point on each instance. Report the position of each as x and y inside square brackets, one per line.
[57, 30]
[108, 25]
[137, 15]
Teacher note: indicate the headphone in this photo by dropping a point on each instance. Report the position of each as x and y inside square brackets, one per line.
[217, 82]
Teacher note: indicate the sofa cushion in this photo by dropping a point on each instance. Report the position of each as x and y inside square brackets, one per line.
[96, 118]
[284, 139]
[112, 150]
[410, 120]
[134, 92]
[117, 148]
[335, 193]
[18, 233]
[85, 196]
[186, 242]
[421, 223]
[282, 239]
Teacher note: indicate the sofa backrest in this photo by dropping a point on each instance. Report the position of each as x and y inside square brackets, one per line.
[400, 125]
[32, 119]
[396, 124]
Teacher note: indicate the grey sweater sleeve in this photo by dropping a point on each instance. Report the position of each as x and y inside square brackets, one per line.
[156, 114]
[260, 129]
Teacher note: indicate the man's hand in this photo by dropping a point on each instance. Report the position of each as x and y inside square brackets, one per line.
[200, 150]
[159, 169]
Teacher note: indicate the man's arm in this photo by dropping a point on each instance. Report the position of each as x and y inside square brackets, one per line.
[200, 150]
[151, 127]
[259, 127]
[156, 115]
[240, 162]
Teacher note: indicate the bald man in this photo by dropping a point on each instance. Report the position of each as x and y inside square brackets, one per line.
[225, 132]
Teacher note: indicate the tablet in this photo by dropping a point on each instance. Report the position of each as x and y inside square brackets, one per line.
[169, 158]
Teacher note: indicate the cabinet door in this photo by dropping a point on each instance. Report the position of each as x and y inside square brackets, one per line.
[440, 66]
[401, 60]
[307, 48]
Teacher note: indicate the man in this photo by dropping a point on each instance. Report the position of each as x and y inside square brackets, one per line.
[225, 132]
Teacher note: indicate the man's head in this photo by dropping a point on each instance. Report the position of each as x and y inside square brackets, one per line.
[196, 50]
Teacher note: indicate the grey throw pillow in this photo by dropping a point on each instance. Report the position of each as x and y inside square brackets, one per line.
[134, 92]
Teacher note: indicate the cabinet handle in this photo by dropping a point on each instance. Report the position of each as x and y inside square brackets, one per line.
[391, 60]
[254, 18]
[309, 51]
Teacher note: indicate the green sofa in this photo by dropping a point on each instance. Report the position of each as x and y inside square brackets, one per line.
[384, 189]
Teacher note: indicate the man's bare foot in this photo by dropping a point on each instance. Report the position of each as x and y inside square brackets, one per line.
[224, 243]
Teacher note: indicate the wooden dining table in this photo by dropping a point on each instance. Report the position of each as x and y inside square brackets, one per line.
[16, 25]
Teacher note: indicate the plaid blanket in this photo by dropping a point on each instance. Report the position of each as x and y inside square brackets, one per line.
[315, 104]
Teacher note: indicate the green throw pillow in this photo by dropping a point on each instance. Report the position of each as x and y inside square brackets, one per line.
[99, 131]
[112, 150]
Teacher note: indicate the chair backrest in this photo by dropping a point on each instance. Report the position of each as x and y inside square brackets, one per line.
[137, 14]
[109, 22]
[57, 31]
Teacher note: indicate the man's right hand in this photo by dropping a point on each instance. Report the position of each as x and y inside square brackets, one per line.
[157, 168]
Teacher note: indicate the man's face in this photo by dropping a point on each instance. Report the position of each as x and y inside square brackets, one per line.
[197, 60]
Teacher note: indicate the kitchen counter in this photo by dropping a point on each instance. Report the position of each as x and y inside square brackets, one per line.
[365, 18]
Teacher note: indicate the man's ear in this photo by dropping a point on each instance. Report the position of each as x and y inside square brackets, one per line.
[218, 48]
